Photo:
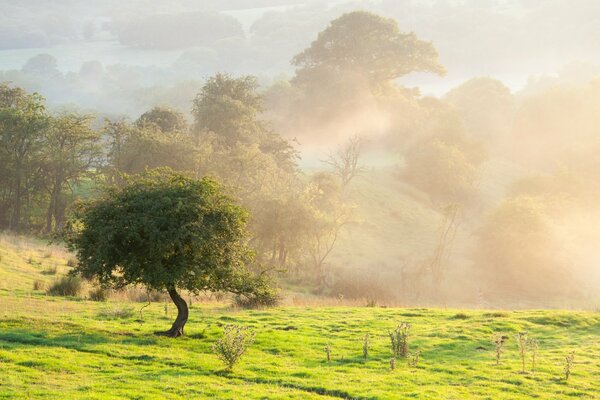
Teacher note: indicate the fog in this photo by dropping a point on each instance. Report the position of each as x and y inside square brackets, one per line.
[476, 181]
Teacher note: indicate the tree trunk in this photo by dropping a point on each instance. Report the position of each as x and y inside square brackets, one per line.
[182, 315]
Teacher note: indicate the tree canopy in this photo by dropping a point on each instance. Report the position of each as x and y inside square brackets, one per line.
[167, 232]
[371, 45]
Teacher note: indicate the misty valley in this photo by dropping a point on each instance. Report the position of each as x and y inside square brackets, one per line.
[293, 199]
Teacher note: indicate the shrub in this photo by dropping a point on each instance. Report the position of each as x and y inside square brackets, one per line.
[116, 313]
[399, 338]
[267, 298]
[50, 271]
[99, 294]
[38, 285]
[66, 286]
[371, 302]
[233, 344]
[71, 262]
[140, 295]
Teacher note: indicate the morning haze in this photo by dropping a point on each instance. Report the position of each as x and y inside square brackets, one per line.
[343, 162]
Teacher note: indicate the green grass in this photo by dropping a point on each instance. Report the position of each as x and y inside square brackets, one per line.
[52, 347]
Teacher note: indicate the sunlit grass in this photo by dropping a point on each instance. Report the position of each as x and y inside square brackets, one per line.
[52, 347]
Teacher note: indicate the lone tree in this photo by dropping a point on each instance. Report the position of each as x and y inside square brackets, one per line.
[167, 232]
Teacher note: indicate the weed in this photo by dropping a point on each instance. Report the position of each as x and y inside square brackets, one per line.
[461, 316]
[399, 338]
[47, 254]
[65, 286]
[499, 342]
[233, 344]
[522, 343]
[38, 285]
[71, 262]
[568, 368]
[393, 363]
[371, 302]
[533, 348]
[413, 359]
[366, 346]
[328, 353]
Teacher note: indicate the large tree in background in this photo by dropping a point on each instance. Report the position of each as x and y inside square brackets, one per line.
[370, 45]
[169, 233]
[229, 107]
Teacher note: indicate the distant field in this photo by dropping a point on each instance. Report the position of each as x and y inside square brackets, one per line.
[53, 347]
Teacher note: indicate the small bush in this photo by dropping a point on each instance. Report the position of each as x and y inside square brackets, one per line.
[268, 298]
[99, 294]
[71, 262]
[140, 295]
[38, 285]
[233, 344]
[48, 254]
[399, 338]
[366, 346]
[66, 286]
[50, 271]
[461, 316]
[116, 313]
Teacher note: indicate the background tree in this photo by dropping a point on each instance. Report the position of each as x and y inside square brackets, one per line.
[229, 108]
[71, 150]
[164, 118]
[167, 232]
[345, 160]
[23, 123]
[370, 45]
[133, 148]
[329, 214]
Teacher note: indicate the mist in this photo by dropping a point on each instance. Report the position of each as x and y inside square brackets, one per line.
[468, 178]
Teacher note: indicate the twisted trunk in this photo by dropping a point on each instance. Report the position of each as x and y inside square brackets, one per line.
[182, 315]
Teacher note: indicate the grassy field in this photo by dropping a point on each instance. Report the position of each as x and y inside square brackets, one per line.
[52, 347]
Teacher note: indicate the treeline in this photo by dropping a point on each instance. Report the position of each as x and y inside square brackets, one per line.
[49, 160]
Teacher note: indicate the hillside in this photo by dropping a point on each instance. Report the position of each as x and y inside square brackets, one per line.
[53, 347]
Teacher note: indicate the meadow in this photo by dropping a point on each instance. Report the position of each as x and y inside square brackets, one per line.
[74, 348]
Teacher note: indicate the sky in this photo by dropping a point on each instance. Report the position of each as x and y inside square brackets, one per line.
[511, 40]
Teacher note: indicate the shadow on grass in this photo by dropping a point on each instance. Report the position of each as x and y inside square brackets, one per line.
[82, 342]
